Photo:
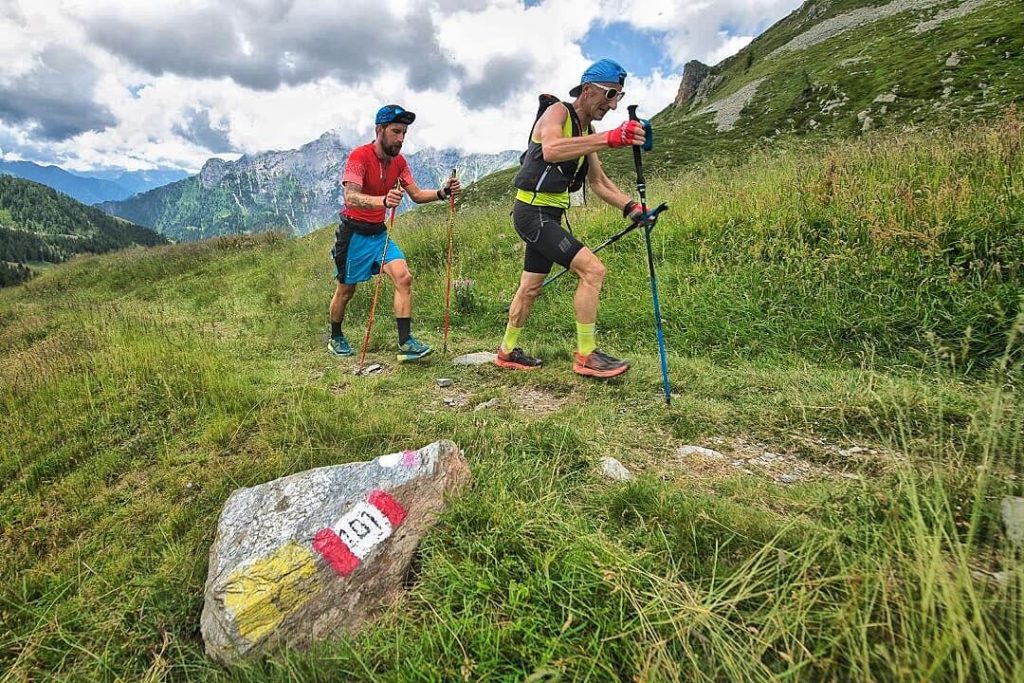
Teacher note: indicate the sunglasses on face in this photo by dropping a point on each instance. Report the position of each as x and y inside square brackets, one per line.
[610, 93]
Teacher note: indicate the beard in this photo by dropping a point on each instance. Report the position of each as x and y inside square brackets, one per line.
[393, 149]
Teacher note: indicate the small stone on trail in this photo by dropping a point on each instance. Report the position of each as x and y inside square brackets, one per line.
[479, 358]
[369, 369]
[493, 403]
[1013, 518]
[613, 469]
[443, 382]
[456, 401]
[686, 451]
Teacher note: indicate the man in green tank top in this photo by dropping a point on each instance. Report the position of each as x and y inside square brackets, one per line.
[562, 149]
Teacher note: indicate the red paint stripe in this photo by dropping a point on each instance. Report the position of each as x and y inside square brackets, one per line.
[334, 550]
[383, 501]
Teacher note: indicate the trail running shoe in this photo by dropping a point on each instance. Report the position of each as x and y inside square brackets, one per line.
[517, 359]
[413, 350]
[598, 364]
[339, 346]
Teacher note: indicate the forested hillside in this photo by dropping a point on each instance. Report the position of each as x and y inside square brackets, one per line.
[39, 224]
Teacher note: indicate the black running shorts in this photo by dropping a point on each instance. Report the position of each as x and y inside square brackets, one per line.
[547, 242]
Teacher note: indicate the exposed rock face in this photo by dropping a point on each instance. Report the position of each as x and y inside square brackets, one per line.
[728, 109]
[706, 87]
[848, 21]
[316, 554]
[817, 9]
[212, 172]
[694, 73]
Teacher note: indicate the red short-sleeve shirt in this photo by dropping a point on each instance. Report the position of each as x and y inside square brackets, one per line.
[364, 168]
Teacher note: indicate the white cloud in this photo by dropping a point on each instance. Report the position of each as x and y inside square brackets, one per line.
[275, 74]
[731, 46]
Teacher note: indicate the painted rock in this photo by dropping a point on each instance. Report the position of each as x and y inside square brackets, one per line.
[317, 554]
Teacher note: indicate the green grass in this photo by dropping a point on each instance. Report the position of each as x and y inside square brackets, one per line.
[867, 296]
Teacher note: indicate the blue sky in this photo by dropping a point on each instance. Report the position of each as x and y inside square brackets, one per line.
[639, 51]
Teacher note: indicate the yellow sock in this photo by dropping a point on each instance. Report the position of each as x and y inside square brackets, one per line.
[511, 337]
[586, 338]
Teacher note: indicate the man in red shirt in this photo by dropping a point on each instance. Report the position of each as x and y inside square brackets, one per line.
[369, 180]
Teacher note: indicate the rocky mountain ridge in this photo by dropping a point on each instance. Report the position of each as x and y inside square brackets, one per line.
[297, 190]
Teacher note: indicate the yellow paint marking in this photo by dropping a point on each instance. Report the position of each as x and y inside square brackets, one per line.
[263, 593]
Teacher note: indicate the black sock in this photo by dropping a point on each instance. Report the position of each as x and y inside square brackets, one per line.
[335, 329]
[403, 330]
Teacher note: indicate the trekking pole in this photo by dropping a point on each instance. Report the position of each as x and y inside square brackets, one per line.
[451, 247]
[614, 238]
[642, 220]
[376, 286]
[641, 188]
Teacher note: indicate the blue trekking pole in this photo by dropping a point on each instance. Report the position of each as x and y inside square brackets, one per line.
[641, 188]
[642, 220]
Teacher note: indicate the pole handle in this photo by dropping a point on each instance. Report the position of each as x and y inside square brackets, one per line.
[394, 209]
[641, 184]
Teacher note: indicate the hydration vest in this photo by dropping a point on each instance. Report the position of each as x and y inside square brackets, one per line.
[550, 183]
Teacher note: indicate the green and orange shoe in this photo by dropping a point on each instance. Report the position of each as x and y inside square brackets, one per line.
[516, 359]
[598, 364]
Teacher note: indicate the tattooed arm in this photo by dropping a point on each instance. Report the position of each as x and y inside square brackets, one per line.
[355, 198]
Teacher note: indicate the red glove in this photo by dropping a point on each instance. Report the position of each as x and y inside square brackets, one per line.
[629, 133]
[632, 210]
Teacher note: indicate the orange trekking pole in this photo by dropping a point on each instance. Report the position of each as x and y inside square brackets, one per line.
[376, 286]
[451, 248]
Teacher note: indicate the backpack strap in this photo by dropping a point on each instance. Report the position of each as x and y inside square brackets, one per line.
[576, 126]
[543, 102]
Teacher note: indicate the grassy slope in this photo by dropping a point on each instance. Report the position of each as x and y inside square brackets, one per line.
[800, 83]
[808, 300]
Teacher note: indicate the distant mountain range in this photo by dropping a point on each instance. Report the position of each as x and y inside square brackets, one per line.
[293, 190]
[93, 187]
[41, 225]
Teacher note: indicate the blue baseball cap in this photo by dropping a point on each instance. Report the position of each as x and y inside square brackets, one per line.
[601, 71]
[391, 113]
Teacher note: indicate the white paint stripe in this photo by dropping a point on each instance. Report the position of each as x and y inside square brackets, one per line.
[363, 528]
